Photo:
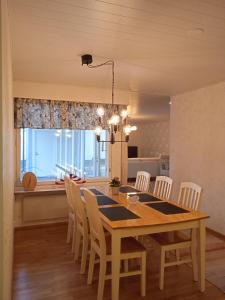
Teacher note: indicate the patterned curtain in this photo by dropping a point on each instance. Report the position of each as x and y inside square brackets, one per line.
[36, 113]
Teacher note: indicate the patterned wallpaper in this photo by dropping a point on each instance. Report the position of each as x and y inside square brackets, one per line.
[197, 147]
[152, 138]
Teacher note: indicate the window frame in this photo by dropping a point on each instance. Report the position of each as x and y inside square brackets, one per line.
[18, 181]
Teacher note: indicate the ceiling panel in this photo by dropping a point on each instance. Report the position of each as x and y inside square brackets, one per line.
[160, 47]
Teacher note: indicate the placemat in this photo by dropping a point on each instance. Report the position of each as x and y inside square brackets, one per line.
[128, 189]
[147, 198]
[96, 192]
[105, 200]
[118, 213]
[167, 208]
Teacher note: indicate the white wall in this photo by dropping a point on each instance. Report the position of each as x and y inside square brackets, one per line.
[38, 90]
[197, 147]
[6, 158]
[152, 138]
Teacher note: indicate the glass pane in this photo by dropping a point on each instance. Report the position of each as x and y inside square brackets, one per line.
[50, 153]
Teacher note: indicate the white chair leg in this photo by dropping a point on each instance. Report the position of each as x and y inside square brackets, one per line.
[84, 254]
[69, 230]
[91, 266]
[162, 267]
[143, 274]
[74, 238]
[77, 245]
[101, 280]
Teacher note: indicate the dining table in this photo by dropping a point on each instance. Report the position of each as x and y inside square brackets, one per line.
[124, 215]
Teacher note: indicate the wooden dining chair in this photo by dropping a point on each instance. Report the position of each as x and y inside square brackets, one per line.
[82, 227]
[101, 246]
[71, 214]
[163, 186]
[142, 181]
[189, 197]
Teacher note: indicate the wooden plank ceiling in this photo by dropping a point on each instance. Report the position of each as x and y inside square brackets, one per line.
[161, 47]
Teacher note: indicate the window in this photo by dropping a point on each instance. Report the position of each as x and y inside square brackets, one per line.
[50, 153]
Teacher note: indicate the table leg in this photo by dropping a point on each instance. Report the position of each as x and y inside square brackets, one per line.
[116, 245]
[194, 254]
[201, 255]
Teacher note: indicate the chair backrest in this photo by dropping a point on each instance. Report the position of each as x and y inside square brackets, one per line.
[79, 207]
[68, 193]
[163, 187]
[96, 227]
[189, 195]
[142, 181]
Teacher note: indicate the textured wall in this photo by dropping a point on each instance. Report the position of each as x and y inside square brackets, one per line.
[197, 147]
[6, 158]
[152, 138]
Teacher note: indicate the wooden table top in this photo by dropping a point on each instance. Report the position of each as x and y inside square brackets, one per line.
[148, 216]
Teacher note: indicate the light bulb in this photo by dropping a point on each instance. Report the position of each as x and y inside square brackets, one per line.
[100, 111]
[98, 130]
[133, 128]
[115, 119]
[127, 129]
[124, 113]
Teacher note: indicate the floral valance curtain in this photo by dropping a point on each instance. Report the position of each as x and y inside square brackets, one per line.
[38, 113]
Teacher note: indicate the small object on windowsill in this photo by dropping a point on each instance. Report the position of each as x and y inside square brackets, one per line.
[76, 179]
[29, 181]
[59, 182]
[81, 181]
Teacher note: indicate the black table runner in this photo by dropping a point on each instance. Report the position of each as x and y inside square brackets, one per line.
[167, 208]
[118, 213]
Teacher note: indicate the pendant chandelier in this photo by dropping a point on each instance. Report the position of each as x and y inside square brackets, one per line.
[118, 121]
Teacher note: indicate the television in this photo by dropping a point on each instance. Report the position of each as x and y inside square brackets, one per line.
[132, 151]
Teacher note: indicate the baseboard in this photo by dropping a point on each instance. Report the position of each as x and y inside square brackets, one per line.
[215, 233]
[40, 225]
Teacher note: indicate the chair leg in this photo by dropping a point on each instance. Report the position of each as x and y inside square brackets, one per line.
[143, 274]
[126, 265]
[69, 230]
[84, 254]
[162, 267]
[74, 238]
[91, 266]
[77, 245]
[101, 280]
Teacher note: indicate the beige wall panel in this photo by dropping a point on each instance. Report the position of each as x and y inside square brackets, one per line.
[152, 138]
[197, 147]
[41, 208]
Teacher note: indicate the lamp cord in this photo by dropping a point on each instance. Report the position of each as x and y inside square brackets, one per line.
[111, 63]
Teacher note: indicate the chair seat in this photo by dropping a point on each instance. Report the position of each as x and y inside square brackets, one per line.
[165, 239]
[128, 245]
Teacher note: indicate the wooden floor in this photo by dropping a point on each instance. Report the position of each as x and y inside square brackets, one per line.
[44, 270]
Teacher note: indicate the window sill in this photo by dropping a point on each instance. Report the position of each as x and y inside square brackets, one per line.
[50, 188]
